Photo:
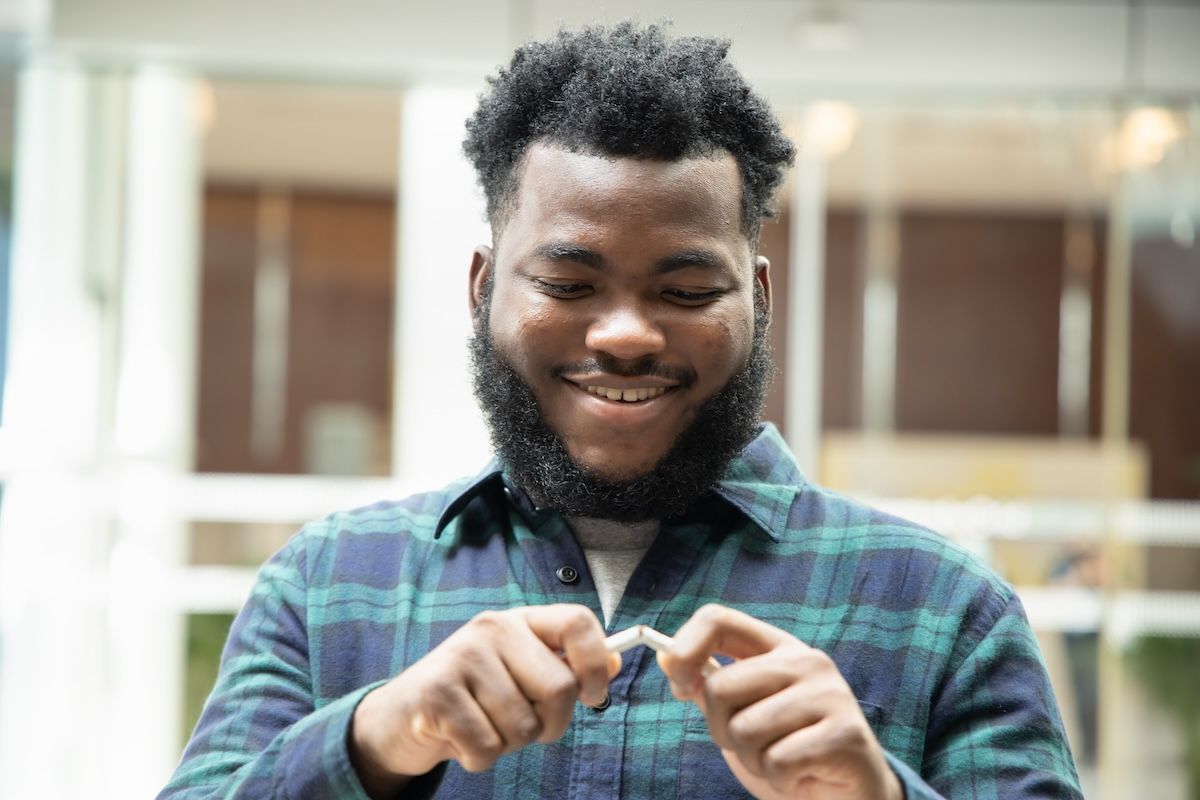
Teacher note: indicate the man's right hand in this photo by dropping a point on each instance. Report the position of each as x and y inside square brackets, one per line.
[503, 680]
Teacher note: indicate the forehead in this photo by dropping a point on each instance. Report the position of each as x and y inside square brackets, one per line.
[565, 188]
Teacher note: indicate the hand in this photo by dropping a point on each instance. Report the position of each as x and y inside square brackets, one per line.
[498, 683]
[786, 721]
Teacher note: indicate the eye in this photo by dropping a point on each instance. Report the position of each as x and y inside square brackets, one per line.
[686, 298]
[566, 290]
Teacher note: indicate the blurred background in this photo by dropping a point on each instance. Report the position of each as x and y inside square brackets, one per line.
[234, 241]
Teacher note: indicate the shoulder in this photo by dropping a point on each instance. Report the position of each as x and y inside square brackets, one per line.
[416, 515]
[899, 562]
[356, 543]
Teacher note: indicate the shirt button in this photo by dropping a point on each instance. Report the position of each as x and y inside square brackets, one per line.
[605, 703]
[567, 574]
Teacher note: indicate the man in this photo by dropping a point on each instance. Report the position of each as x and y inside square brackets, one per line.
[451, 644]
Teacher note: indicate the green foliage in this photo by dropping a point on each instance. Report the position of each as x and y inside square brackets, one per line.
[205, 639]
[1169, 667]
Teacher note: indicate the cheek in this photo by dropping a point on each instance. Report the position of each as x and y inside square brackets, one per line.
[528, 332]
[722, 347]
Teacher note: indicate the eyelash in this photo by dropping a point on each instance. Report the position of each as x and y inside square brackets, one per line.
[573, 290]
[562, 289]
[696, 298]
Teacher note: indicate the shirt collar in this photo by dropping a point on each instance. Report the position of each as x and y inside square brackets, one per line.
[474, 487]
[762, 483]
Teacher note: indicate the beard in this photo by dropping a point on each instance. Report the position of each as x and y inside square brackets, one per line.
[536, 458]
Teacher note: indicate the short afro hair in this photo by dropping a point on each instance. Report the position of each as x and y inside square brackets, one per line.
[632, 92]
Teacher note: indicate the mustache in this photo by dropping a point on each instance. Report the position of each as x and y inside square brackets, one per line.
[641, 368]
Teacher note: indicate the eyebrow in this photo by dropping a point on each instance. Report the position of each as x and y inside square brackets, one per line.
[578, 254]
[560, 251]
[691, 258]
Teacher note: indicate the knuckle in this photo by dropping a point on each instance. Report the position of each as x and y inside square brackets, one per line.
[469, 651]
[712, 612]
[441, 698]
[822, 659]
[528, 727]
[561, 688]
[834, 693]
[715, 688]
[847, 735]
[808, 657]
[834, 697]
[488, 619]
[739, 729]
[579, 620]
[490, 748]
[775, 766]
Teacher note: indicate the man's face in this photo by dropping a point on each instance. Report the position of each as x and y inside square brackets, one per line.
[623, 296]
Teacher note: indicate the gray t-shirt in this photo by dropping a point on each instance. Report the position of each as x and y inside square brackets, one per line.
[613, 550]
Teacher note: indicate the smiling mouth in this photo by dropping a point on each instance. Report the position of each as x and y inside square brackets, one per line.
[635, 395]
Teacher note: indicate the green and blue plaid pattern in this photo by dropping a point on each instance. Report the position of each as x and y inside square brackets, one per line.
[936, 647]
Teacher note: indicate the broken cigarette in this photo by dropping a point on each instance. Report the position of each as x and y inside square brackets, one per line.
[643, 634]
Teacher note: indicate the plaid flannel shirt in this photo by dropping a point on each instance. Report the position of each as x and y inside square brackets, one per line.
[936, 648]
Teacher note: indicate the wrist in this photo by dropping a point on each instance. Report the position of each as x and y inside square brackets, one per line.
[366, 757]
[894, 787]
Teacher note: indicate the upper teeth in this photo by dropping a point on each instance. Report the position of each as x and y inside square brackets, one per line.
[627, 395]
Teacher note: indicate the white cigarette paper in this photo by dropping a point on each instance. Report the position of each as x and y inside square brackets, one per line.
[645, 635]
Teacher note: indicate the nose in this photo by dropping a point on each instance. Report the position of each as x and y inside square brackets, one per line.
[626, 332]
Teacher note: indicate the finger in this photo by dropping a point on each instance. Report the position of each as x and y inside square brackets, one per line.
[717, 629]
[825, 752]
[464, 727]
[750, 731]
[544, 678]
[742, 685]
[614, 665]
[753, 679]
[506, 705]
[575, 630]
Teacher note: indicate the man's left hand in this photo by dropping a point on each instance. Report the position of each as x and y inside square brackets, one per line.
[785, 719]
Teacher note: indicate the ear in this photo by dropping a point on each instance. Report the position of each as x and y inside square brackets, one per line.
[481, 273]
[762, 274]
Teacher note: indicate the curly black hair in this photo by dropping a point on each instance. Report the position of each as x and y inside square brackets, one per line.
[627, 91]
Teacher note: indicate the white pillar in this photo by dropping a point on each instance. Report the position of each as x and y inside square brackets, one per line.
[53, 665]
[154, 426]
[880, 298]
[437, 430]
[880, 303]
[806, 307]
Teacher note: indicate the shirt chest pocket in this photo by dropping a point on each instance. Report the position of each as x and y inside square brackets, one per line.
[703, 772]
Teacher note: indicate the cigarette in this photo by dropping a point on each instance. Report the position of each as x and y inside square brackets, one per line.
[625, 640]
[658, 642]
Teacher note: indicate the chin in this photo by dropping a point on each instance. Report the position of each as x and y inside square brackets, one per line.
[606, 470]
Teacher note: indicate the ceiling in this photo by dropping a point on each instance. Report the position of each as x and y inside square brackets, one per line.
[788, 48]
[958, 102]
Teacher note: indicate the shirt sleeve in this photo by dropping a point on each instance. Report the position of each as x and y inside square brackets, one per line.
[260, 735]
[994, 727]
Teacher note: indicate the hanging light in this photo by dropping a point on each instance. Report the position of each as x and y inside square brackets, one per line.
[828, 127]
[1142, 140]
